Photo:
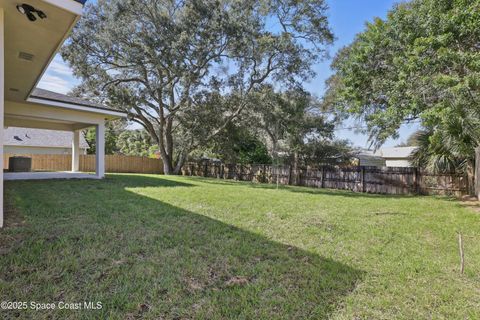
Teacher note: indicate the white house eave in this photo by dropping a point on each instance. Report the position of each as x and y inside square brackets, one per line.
[68, 5]
[111, 113]
[57, 48]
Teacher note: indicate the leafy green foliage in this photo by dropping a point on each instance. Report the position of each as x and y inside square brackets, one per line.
[185, 69]
[413, 140]
[444, 150]
[237, 144]
[134, 143]
[422, 62]
[317, 152]
[297, 127]
[112, 130]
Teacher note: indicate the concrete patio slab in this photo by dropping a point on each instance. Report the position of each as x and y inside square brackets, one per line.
[47, 175]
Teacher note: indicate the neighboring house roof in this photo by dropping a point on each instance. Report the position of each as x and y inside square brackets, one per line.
[387, 153]
[397, 152]
[368, 154]
[27, 137]
[58, 97]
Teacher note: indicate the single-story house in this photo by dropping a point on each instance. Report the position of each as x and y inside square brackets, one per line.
[40, 141]
[31, 33]
[386, 157]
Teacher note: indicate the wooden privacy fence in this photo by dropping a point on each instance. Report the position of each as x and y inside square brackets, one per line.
[113, 163]
[385, 180]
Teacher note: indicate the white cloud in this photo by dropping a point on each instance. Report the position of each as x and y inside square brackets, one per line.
[58, 77]
[59, 66]
[56, 84]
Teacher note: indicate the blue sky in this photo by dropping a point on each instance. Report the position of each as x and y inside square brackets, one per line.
[347, 18]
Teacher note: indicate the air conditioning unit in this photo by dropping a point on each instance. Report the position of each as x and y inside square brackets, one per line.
[20, 164]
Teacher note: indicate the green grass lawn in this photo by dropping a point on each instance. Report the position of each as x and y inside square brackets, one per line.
[160, 247]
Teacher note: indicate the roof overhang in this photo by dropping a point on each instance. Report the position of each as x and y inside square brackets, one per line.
[29, 48]
[72, 6]
[29, 114]
[109, 114]
[31, 45]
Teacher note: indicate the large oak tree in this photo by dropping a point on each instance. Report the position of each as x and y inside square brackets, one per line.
[185, 69]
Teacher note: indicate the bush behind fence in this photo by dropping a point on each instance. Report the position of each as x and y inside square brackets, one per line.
[385, 180]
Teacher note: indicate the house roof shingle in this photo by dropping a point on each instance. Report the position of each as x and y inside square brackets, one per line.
[27, 137]
[58, 97]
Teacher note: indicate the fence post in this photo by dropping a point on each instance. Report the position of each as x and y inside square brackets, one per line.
[416, 186]
[289, 175]
[362, 177]
[322, 181]
[477, 172]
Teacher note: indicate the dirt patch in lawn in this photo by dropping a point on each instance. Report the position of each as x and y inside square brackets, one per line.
[470, 202]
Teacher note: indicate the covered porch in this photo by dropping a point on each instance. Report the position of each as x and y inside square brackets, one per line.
[30, 35]
[48, 110]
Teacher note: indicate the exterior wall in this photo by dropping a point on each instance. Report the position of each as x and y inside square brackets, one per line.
[39, 150]
[398, 163]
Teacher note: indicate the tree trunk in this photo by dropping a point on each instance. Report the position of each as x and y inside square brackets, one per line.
[167, 166]
[295, 168]
[166, 145]
[180, 162]
[171, 168]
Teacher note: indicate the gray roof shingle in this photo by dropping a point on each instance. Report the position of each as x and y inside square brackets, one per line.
[40, 138]
[58, 97]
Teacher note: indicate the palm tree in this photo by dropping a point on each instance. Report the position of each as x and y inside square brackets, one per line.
[450, 146]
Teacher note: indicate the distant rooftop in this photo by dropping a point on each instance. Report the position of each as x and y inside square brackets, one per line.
[397, 152]
[387, 153]
[365, 153]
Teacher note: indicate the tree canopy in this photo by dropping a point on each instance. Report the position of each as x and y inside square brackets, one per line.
[185, 69]
[135, 143]
[298, 128]
[422, 63]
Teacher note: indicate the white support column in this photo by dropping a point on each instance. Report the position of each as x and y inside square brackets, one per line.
[100, 150]
[76, 151]
[2, 99]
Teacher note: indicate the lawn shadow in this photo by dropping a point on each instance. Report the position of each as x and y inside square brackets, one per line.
[142, 257]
